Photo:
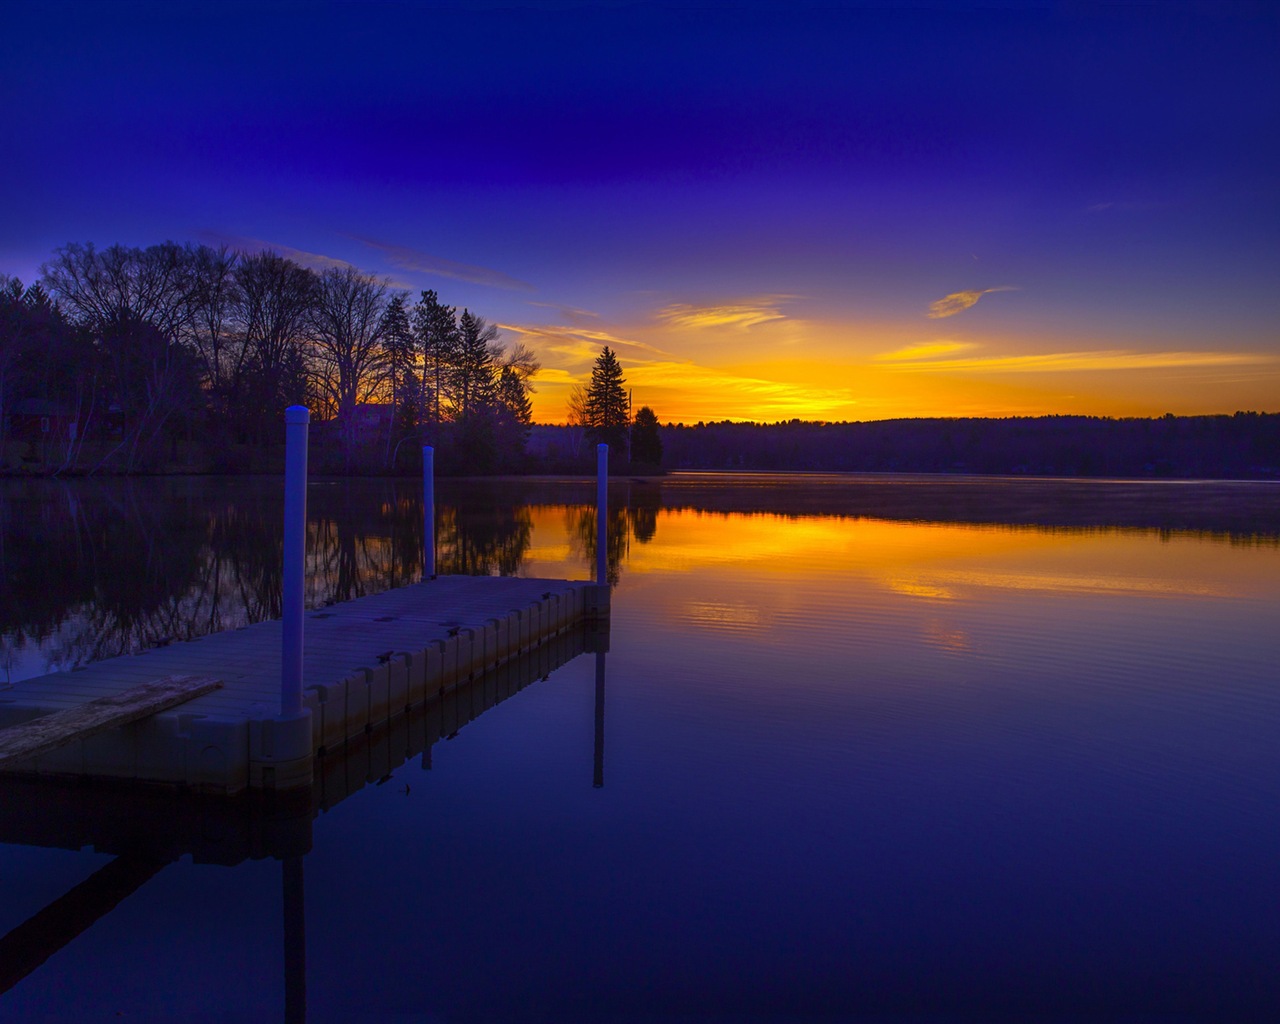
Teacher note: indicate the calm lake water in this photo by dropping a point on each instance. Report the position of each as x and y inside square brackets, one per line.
[871, 748]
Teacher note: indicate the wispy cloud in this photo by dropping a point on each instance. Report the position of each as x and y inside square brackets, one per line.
[572, 314]
[424, 263]
[1057, 362]
[958, 302]
[744, 314]
[554, 376]
[314, 260]
[926, 350]
[583, 344]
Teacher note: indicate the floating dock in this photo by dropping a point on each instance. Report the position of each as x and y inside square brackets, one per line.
[366, 662]
[145, 828]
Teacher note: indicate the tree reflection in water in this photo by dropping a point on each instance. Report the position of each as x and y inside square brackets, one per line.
[100, 568]
[491, 541]
[632, 513]
[96, 569]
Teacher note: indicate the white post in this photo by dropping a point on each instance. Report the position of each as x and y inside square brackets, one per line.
[428, 512]
[296, 418]
[602, 509]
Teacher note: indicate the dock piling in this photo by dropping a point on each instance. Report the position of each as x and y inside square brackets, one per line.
[602, 512]
[296, 418]
[428, 512]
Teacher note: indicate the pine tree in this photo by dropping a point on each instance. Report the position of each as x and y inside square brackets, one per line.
[514, 418]
[607, 418]
[513, 397]
[397, 340]
[646, 444]
[474, 371]
[436, 329]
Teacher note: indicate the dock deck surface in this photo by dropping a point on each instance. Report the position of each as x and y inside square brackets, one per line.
[364, 661]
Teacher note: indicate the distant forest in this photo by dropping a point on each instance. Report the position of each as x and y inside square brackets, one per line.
[1245, 445]
[1242, 446]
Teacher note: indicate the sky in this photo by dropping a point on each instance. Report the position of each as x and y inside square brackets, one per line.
[837, 211]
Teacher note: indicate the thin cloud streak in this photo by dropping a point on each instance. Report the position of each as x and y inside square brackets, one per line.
[1074, 362]
[571, 313]
[311, 260]
[580, 342]
[926, 350]
[958, 302]
[742, 315]
[424, 263]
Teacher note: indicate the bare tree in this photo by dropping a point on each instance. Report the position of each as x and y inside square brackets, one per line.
[213, 298]
[135, 303]
[579, 418]
[576, 406]
[274, 296]
[346, 334]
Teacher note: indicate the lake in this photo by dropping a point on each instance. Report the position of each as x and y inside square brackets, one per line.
[862, 748]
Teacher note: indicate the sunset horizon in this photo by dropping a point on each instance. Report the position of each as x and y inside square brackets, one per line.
[856, 213]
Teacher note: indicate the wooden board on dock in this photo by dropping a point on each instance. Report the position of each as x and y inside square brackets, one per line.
[21, 743]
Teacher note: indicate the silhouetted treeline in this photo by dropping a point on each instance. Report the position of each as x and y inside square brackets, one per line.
[1242, 446]
[184, 357]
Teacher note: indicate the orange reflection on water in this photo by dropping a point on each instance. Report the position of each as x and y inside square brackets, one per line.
[939, 561]
[957, 589]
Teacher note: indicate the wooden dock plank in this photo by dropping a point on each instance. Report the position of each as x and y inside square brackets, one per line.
[21, 743]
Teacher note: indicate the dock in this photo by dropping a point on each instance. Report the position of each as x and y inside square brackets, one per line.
[145, 828]
[367, 663]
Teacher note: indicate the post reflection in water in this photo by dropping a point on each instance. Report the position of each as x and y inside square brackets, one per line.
[28, 946]
[295, 941]
[598, 777]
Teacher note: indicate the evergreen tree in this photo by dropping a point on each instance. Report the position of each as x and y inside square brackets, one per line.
[398, 342]
[514, 416]
[606, 411]
[40, 358]
[513, 397]
[473, 379]
[646, 444]
[435, 327]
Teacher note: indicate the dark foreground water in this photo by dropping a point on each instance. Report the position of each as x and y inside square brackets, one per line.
[874, 749]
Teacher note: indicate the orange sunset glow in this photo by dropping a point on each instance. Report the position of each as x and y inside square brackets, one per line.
[763, 363]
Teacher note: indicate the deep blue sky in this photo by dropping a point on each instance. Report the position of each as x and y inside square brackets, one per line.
[757, 205]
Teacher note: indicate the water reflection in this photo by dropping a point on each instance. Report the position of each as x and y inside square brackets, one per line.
[948, 758]
[100, 568]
